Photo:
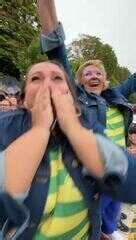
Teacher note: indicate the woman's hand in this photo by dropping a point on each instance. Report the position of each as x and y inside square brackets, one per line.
[42, 114]
[65, 110]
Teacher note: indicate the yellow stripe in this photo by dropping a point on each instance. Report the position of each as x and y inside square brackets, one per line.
[51, 202]
[82, 232]
[117, 119]
[115, 132]
[131, 236]
[66, 193]
[56, 226]
[121, 142]
[69, 192]
[112, 110]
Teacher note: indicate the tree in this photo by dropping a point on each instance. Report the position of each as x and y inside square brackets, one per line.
[88, 47]
[17, 30]
[121, 73]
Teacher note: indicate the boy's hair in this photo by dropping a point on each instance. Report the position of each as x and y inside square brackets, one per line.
[97, 63]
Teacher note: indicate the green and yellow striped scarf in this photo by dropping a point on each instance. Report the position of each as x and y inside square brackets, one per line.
[65, 214]
[115, 126]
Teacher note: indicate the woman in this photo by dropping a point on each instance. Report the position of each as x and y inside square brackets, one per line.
[40, 166]
[4, 100]
[7, 102]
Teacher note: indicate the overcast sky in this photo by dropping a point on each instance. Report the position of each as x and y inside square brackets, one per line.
[113, 21]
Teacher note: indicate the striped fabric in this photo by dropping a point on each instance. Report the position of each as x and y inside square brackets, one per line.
[115, 126]
[132, 233]
[116, 132]
[65, 214]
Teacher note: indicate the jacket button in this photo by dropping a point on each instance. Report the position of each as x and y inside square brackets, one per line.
[74, 163]
[96, 196]
[32, 225]
[41, 179]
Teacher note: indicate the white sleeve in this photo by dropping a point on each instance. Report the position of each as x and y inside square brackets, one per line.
[19, 196]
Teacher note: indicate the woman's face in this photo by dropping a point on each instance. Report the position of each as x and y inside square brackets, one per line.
[93, 79]
[47, 75]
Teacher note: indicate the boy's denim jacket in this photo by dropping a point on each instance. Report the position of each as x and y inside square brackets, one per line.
[53, 45]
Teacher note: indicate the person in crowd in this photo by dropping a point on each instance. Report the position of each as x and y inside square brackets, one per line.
[52, 172]
[108, 111]
[8, 101]
[132, 134]
[56, 54]
[14, 93]
[9, 78]
[4, 100]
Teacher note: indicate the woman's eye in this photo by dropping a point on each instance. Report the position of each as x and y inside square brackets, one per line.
[99, 73]
[58, 78]
[88, 74]
[35, 78]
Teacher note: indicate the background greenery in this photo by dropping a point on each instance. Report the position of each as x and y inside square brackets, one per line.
[19, 40]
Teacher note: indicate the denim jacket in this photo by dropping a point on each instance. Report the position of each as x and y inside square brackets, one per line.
[26, 216]
[95, 105]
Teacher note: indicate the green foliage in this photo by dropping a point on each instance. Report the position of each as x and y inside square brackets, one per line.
[121, 73]
[18, 28]
[88, 47]
[19, 40]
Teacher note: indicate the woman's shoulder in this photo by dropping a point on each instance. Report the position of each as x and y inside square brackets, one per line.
[13, 123]
[13, 112]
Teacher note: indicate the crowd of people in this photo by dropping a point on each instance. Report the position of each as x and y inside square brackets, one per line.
[67, 148]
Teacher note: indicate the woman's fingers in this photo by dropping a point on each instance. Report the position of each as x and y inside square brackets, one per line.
[42, 113]
[65, 109]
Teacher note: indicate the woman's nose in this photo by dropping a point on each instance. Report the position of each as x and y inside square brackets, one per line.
[47, 82]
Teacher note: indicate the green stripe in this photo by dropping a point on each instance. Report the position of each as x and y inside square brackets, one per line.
[85, 237]
[62, 174]
[54, 155]
[39, 236]
[115, 125]
[68, 209]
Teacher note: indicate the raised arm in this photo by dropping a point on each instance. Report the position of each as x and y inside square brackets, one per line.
[128, 86]
[52, 35]
[47, 16]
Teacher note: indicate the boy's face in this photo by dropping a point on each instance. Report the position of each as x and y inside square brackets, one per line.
[132, 138]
